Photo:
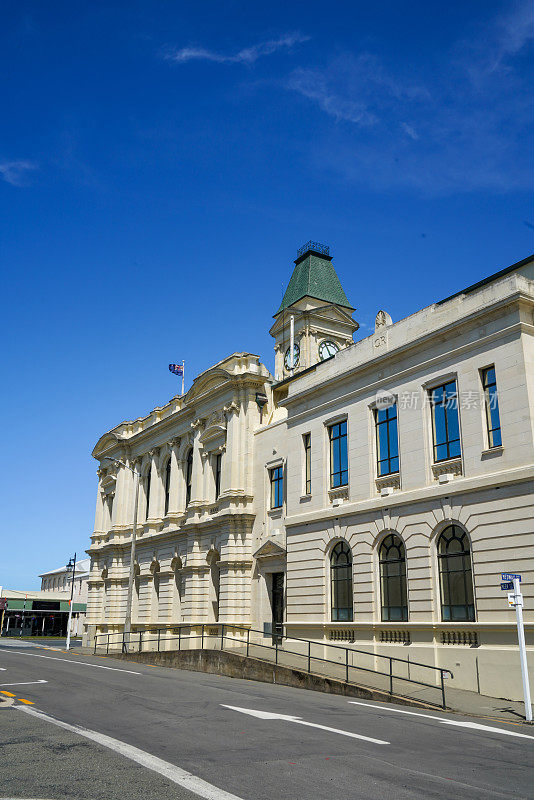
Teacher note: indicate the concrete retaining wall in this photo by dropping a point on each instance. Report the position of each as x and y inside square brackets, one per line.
[235, 666]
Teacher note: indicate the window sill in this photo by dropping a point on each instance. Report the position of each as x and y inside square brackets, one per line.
[445, 471]
[492, 451]
[275, 513]
[305, 498]
[387, 484]
[339, 494]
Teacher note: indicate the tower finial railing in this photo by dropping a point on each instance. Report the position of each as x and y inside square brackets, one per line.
[324, 249]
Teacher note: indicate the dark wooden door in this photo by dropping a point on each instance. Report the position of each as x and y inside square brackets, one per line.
[277, 603]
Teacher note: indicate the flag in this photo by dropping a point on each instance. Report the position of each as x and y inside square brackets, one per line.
[176, 369]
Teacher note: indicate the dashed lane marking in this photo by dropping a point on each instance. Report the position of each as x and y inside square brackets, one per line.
[27, 702]
[456, 722]
[22, 683]
[170, 771]
[72, 661]
[8, 694]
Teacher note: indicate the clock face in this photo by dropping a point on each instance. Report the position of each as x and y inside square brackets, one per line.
[327, 349]
[296, 356]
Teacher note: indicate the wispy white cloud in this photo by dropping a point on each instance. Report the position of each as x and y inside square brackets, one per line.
[248, 55]
[354, 89]
[460, 126]
[16, 172]
[498, 41]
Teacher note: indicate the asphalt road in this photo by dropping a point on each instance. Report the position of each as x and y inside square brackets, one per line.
[189, 722]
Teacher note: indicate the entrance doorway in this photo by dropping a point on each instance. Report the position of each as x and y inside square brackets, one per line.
[277, 605]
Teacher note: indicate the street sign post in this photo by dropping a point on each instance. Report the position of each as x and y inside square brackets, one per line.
[515, 599]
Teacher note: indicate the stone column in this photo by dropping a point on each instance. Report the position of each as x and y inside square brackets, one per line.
[231, 466]
[176, 504]
[99, 511]
[198, 467]
[153, 509]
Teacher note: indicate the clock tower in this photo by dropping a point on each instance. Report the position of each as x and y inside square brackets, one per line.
[314, 314]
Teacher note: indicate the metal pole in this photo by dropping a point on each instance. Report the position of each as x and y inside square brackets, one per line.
[22, 620]
[442, 690]
[391, 676]
[128, 617]
[67, 646]
[518, 600]
[292, 342]
[183, 377]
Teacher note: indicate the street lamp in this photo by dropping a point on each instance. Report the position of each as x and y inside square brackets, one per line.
[70, 567]
[128, 617]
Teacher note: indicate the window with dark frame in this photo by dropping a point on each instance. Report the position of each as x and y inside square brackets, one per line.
[445, 421]
[341, 583]
[394, 596]
[387, 440]
[167, 486]
[147, 492]
[455, 575]
[307, 463]
[491, 398]
[217, 473]
[276, 476]
[188, 477]
[339, 473]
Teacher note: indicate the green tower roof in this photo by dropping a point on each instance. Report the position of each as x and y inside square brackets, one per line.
[314, 276]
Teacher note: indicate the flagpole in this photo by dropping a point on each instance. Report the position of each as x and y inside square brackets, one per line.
[183, 377]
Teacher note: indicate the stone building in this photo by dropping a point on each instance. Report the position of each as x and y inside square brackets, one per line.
[367, 493]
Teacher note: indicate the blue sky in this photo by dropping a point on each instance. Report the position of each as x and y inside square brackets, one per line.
[160, 164]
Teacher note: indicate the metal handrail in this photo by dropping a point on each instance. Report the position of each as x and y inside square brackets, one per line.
[157, 634]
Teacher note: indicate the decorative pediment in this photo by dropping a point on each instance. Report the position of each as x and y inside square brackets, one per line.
[270, 549]
[215, 427]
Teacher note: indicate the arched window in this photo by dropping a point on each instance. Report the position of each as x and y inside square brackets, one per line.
[147, 492]
[456, 578]
[167, 486]
[394, 597]
[188, 476]
[341, 582]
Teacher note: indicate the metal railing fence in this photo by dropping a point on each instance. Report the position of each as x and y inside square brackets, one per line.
[390, 674]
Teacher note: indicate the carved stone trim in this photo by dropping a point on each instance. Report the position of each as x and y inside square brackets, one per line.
[382, 319]
[340, 493]
[445, 471]
[464, 638]
[395, 636]
[387, 484]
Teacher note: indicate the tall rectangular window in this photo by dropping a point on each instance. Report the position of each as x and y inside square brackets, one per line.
[445, 421]
[307, 463]
[277, 487]
[339, 472]
[387, 440]
[217, 474]
[493, 420]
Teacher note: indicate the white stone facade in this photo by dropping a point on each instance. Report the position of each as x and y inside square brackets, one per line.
[213, 559]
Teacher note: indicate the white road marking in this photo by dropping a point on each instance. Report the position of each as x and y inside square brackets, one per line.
[169, 771]
[475, 725]
[25, 683]
[289, 718]
[71, 661]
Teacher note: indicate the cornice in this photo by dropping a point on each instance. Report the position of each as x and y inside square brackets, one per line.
[400, 375]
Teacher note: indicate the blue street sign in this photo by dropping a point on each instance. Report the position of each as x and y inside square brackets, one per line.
[506, 587]
[509, 576]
